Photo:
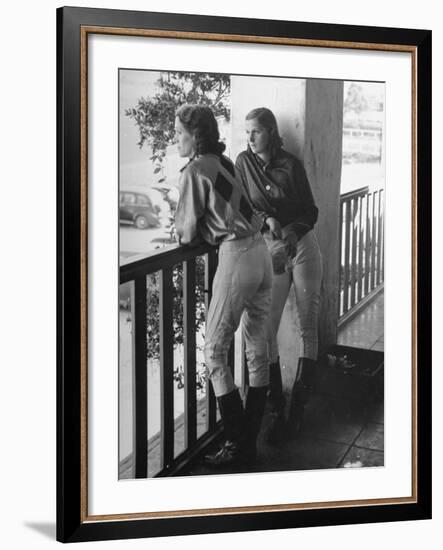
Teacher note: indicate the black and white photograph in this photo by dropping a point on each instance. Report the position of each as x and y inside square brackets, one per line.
[242, 274]
[219, 320]
[251, 252]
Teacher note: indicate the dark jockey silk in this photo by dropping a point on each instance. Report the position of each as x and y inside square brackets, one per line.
[279, 189]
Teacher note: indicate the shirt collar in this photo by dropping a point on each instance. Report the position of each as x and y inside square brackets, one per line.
[263, 165]
[188, 163]
[199, 156]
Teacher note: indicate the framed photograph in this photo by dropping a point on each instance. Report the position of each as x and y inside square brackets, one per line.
[244, 270]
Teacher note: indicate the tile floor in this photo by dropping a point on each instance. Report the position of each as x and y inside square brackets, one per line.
[344, 420]
[367, 329]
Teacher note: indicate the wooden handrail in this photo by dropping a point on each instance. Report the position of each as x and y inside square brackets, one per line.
[137, 270]
[144, 264]
[360, 192]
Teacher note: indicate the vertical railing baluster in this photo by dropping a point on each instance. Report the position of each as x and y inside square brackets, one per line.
[361, 247]
[374, 240]
[346, 265]
[139, 378]
[189, 352]
[211, 404]
[368, 243]
[340, 275]
[379, 247]
[353, 251]
[360, 250]
[166, 367]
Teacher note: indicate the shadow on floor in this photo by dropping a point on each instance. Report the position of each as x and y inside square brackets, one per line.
[343, 427]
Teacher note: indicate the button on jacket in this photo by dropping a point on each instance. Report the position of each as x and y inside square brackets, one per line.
[212, 203]
[279, 189]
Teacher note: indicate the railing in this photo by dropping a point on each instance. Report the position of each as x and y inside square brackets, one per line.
[362, 250]
[163, 264]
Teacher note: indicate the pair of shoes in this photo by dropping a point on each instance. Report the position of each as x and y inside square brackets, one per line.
[241, 427]
[229, 454]
[300, 395]
[277, 429]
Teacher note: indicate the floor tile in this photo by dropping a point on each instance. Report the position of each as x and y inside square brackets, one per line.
[362, 458]
[305, 453]
[359, 394]
[378, 413]
[335, 420]
[367, 328]
[372, 437]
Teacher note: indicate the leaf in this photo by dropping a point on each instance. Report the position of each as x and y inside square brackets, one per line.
[154, 116]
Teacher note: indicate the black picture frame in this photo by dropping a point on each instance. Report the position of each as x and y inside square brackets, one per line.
[72, 519]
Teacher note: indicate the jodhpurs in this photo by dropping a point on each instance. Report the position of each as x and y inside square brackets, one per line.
[305, 274]
[242, 286]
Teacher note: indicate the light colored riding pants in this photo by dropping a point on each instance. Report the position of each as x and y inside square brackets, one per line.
[242, 286]
[306, 275]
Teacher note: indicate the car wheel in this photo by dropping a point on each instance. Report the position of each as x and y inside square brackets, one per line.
[141, 222]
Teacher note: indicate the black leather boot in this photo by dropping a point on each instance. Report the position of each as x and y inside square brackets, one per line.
[232, 453]
[300, 394]
[277, 427]
[254, 410]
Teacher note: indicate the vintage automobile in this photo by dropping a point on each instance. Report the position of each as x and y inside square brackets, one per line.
[137, 208]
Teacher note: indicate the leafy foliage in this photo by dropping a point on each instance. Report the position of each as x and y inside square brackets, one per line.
[153, 306]
[200, 375]
[155, 118]
[166, 195]
[355, 100]
[155, 115]
[153, 326]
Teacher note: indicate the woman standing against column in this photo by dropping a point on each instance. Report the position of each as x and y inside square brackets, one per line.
[281, 196]
[213, 207]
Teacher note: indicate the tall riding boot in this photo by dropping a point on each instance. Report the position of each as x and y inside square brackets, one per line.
[300, 394]
[254, 410]
[232, 414]
[276, 430]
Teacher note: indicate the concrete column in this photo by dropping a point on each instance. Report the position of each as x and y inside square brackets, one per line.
[323, 161]
[310, 118]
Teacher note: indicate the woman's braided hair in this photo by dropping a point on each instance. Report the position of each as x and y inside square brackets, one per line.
[200, 121]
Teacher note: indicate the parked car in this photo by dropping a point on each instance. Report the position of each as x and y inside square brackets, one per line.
[137, 208]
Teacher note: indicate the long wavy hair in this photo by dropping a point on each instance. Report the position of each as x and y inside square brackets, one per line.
[266, 118]
[200, 121]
